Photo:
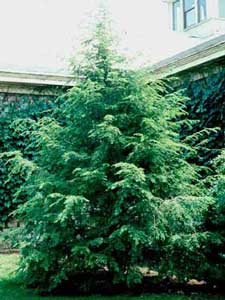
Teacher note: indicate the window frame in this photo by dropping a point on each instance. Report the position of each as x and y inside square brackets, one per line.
[199, 11]
[186, 12]
[176, 25]
[182, 19]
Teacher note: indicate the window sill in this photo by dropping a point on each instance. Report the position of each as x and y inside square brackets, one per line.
[197, 24]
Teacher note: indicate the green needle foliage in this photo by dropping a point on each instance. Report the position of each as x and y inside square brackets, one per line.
[206, 104]
[109, 160]
[18, 116]
[215, 224]
[13, 173]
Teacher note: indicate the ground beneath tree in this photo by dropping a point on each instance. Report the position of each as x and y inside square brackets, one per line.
[11, 289]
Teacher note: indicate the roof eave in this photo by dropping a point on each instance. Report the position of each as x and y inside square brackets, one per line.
[198, 55]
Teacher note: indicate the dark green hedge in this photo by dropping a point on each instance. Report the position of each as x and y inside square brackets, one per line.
[18, 120]
[206, 105]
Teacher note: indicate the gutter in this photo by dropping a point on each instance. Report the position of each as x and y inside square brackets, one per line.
[36, 79]
[198, 55]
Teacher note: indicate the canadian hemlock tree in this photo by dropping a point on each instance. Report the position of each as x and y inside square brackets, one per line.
[110, 166]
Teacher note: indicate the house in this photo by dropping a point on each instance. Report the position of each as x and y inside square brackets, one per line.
[200, 68]
[200, 18]
[204, 21]
[197, 29]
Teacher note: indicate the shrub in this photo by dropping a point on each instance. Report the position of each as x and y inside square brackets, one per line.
[18, 122]
[215, 224]
[206, 109]
[13, 173]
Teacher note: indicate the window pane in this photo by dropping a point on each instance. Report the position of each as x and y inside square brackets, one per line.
[222, 8]
[189, 4]
[176, 15]
[189, 18]
[201, 10]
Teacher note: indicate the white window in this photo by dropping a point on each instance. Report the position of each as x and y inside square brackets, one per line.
[190, 11]
[176, 15]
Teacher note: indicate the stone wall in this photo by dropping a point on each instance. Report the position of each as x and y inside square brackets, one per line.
[23, 104]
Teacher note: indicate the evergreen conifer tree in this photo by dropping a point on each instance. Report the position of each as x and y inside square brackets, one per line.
[214, 250]
[109, 157]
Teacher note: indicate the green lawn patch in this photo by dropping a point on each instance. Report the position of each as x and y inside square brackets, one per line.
[10, 289]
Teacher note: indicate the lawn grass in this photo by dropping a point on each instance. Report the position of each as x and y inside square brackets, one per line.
[10, 289]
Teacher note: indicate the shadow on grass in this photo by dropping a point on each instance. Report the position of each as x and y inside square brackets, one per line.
[11, 289]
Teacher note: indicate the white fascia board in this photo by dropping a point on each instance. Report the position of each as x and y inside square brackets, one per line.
[194, 63]
[36, 79]
[193, 57]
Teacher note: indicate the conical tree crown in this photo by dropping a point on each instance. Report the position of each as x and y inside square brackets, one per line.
[109, 157]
